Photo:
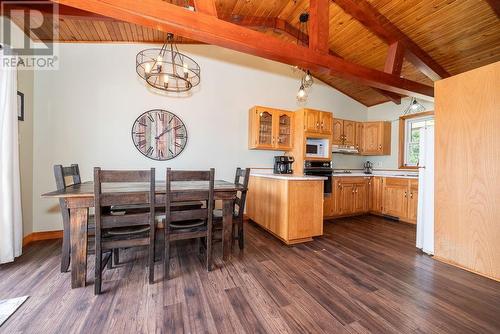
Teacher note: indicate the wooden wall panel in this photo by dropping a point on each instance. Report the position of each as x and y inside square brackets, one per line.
[467, 199]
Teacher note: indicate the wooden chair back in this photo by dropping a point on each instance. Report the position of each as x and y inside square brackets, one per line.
[103, 200]
[206, 196]
[241, 180]
[67, 176]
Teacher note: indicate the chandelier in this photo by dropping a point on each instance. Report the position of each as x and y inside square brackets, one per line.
[414, 107]
[167, 69]
[306, 80]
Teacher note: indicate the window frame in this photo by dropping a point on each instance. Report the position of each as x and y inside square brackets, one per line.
[403, 135]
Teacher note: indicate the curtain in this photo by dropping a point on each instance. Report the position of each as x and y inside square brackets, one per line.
[11, 226]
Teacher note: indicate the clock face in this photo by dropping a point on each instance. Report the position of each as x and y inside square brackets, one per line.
[159, 134]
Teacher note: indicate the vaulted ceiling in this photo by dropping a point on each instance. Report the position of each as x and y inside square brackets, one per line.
[456, 36]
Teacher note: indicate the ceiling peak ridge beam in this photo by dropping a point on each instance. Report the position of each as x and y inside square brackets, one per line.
[208, 29]
[319, 25]
[206, 6]
[377, 23]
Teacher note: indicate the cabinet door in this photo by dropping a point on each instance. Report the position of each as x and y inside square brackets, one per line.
[262, 129]
[376, 194]
[359, 137]
[371, 138]
[326, 123]
[284, 130]
[347, 199]
[338, 134]
[312, 121]
[361, 198]
[413, 201]
[349, 132]
[396, 197]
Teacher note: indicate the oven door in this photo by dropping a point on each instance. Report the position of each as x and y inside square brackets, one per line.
[327, 188]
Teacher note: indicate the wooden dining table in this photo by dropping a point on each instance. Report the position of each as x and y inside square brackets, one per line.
[80, 197]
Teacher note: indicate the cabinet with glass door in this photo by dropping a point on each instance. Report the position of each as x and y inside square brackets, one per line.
[270, 129]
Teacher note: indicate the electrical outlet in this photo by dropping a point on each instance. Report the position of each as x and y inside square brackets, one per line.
[378, 164]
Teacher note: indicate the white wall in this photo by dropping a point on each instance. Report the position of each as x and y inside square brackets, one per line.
[85, 110]
[391, 112]
[25, 80]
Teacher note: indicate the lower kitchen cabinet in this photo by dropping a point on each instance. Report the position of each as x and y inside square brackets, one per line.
[349, 197]
[290, 208]
[391, 196]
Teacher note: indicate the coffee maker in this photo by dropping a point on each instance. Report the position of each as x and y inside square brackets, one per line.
[368, 167]
[283, 164]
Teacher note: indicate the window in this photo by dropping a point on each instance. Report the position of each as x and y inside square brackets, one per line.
[409, 137]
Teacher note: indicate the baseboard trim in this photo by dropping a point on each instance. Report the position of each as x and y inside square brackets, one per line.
[454, 264]
[47, 235]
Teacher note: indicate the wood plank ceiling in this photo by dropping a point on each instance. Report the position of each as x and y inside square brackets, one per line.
[458, 34]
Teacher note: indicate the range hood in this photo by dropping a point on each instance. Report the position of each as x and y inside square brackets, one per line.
[346, 149]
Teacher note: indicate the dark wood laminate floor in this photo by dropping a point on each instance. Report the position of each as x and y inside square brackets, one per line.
[363, 276]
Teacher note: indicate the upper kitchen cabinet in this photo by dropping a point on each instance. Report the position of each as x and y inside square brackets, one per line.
[376, 138]
[270, 129]
[344, 132]
[318, 121]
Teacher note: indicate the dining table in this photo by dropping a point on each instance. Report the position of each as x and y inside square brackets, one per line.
[79, 198]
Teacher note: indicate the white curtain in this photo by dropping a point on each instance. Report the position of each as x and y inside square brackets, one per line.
[11, 226]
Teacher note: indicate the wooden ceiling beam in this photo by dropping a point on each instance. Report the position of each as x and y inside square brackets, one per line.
[166, 17]
[206, 7]
[319, 25]
[370, 17]
[394, 60]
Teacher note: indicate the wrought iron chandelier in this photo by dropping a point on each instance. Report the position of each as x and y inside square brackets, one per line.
[168, 69]
[414, 107]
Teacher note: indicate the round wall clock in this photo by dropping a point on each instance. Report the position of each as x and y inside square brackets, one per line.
[159, 135]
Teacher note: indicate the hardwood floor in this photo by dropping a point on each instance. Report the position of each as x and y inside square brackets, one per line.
[364, 275]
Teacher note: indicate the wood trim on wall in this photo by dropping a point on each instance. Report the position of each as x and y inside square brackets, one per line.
[401, 149]
[37, 236]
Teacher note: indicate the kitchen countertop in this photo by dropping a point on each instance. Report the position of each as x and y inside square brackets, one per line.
[398, 174]
[290, 177]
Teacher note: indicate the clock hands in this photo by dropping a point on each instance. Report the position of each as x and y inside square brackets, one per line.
[167, 130]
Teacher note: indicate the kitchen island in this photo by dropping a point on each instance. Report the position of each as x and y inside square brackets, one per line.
[288, 206]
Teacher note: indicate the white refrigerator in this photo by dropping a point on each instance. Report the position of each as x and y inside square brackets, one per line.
[425, 211]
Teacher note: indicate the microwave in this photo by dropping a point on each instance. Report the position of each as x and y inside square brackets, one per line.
[317, 148]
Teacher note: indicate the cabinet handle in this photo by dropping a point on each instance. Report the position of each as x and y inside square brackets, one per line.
[317, 124]
[411, 195]
[380, 147]
[406, 194]
[273, 139]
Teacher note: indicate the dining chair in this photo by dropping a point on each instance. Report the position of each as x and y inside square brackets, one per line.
[190, 223]
[241, 179]
[124, 230]
[65, 177]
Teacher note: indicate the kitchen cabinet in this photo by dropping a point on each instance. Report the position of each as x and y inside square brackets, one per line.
[289, 208]
[359, 137]
[395, 202]
[338, 132]
[413, 202]
[400, 198]
[349, 197]
[344, 132]
[391, 196]
[318, 121]
[270, 129]
[376, 194]
[376, 138]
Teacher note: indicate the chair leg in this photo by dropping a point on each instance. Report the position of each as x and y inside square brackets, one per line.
[98, 272]
[109, 264]
[209, 250]
[116, 256]
[167, 258]
[233, 230]
[66, 249]
[240, 234]
[151, 257]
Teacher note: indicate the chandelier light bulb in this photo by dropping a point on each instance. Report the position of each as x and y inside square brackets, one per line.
[308, 80]
[302, 94]
[147, 68]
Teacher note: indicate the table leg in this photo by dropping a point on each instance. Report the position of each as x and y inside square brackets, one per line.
[78, 235]
[227, 226]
